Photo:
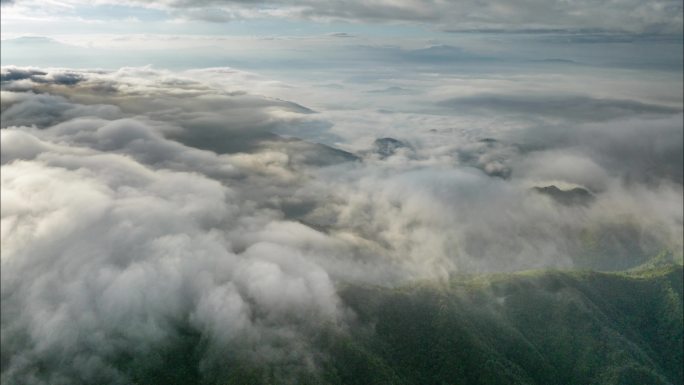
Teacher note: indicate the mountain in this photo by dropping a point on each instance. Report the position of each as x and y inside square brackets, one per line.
[386, 147]
[574, 196]
[535, 328]
[526, 328]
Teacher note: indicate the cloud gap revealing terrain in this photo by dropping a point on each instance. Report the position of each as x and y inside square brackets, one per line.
[341, 192]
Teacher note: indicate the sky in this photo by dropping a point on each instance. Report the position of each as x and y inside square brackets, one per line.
[223, 167]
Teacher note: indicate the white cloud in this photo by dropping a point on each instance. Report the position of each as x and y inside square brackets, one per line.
[141, 208]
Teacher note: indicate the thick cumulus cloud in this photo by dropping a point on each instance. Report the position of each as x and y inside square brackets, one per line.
[116, 256]
[119, 237]
[148, 215]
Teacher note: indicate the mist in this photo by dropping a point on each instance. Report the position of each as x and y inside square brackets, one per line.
[144, 210]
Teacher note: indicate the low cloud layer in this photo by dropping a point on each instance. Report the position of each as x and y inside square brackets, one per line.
[568, 107]
[145, 208]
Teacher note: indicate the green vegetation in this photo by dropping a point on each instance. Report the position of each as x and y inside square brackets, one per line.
[539, 327]
[526, 328]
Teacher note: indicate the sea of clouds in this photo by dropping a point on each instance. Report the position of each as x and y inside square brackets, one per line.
[140, 206]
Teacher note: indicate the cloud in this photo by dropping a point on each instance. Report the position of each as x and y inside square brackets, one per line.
[150, 219]
[655, 16]
[641, 150]
[42, 110]
[145, 250]
[567, 107]
[150, 216]
[341, 35]
[11, 74]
